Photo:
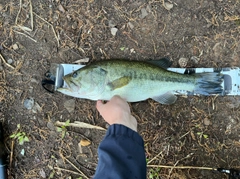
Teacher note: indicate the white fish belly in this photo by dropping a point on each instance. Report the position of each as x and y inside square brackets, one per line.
[138, 91]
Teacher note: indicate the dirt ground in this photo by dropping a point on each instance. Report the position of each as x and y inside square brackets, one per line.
[194, 132]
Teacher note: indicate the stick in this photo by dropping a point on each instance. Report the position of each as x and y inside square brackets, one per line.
[180, 167]
[25, 35]
[76, 168]
[154, 158]
[31, 13]
[20, 8]
[11, 157]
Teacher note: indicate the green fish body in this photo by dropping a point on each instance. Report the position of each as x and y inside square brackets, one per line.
[137, 81]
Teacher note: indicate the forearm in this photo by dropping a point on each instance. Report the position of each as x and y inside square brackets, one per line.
[121, 154]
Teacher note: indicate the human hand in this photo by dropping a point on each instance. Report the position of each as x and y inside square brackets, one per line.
[117, 111]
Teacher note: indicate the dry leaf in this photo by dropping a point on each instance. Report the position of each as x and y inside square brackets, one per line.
[85, 142]
[193, 136]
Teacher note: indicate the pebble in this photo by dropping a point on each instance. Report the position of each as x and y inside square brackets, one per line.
[114, 31]
[42, 173]
[61, 8]
[111, 23]
[144, 13]
[74, 25]
[168, 6]
[130, 25]
[183, 62]
[51, 126]
[15, 46]
[28, 103]
[70, 105]
[1, 68]
[206, 122]
[10, 61]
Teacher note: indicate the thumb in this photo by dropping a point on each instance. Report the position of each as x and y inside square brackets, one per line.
[99, 105]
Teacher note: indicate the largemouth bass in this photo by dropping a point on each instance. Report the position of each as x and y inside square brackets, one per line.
[137, 81]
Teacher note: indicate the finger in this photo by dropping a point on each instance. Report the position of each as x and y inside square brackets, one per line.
[99, 105]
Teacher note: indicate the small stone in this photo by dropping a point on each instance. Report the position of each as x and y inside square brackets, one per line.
[111, 23]
[168, 6]
[15, 46]
[33, 80]
[206, 122]
[10, 61]
[42, 173]
[114, 31]
[61, 8]
[74, 25]
[144, 13]
[130, 25]
[132, 50]
[51, 126]
[1, 68]
[183, 62]
[29, 103]
[70, 105]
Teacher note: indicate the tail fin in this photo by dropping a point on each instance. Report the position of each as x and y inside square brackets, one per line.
[209, 83]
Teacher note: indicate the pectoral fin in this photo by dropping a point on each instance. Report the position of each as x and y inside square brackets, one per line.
[64, 90]
[163, 62]
[167, 98]
[119, 83]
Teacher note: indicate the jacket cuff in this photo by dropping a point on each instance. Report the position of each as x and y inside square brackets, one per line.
[121, 130]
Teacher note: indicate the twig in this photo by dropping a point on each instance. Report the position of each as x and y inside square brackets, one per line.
[11, 157]
[25, 35]
[180, 167]
[31, 13]
[154, 158]
[20, 8]
[70, 171]
[77, 168]
[172, 169]
[4, 61]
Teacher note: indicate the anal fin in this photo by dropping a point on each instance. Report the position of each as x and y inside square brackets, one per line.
[167, 98]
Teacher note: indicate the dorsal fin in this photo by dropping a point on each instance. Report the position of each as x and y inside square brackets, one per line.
[163, 62]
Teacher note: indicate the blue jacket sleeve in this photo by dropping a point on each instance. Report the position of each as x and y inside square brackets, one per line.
[121, 155]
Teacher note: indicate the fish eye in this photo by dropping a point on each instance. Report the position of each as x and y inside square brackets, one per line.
[74, 75]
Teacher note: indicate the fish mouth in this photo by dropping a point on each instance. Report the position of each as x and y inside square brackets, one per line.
[70, 83]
